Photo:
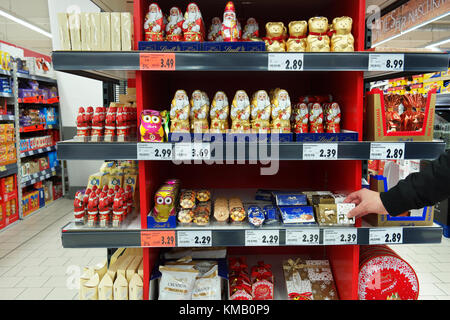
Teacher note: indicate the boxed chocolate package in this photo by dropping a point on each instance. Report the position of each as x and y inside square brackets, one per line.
[298, 214]
[289, 198]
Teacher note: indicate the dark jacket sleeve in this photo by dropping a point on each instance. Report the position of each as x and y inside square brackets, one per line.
[420, 189]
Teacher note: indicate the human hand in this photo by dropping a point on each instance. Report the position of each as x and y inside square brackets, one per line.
[366, 201]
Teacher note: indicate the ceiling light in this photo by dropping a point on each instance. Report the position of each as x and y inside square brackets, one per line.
[25, 24]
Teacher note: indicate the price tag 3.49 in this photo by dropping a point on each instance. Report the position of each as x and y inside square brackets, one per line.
[386, 62]
[303, 237]
[386, 236]
[387, 151]
[285, 62]
[262, 237]
[194, 238]
[154, 151]
[340, 236]
[157, 61]
[320, 151]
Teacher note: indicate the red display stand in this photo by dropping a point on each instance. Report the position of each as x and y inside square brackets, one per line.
[155, 90]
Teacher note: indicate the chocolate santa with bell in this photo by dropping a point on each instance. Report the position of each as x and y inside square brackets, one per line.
[173, 27]
[214, 30]
[316, 118]
[154, 24]
[230, 31]
[219, 113]
[251, 30]
[240, 112]
[333, 118]
[193, 26]
[79, 209]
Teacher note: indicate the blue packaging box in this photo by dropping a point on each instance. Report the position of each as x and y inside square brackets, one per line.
[153, 224]
[297, 215]
[169, 46]
[239, 46]
[51, 116]
[345, 135]
[230, 137]
[272, 214]
[289, 198]
[41, 197]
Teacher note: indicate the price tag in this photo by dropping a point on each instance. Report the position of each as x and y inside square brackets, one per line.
[194, 238]
[192, 151]
[389, 151]
[340, 236]
[285, 62]
[320, 151]
[154, 151]
[303, 237]
[262, 237]
[157, 61]
[386, 62]
[386, 236]
[158, 238]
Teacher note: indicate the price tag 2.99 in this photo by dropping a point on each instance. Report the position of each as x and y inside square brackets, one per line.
[340, 236]
[386, 62]
[285, 62]
[154, 151]
[387, 151]
[386, 236]
[262, 237]
[320, 151]
[194, 238]
[303, 237]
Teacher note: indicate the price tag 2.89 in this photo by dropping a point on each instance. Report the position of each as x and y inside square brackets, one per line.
[386, 62]
[387, 151]
[154, 151]
[194, 238]
[340, 236]
[320, 151]
[285, 62]
[303, 237]
[262, 237]
[386, 236]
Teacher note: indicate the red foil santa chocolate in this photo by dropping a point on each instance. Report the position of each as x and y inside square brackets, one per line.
[333, 117]
[316, 118]
[154, 24]
[174, 24]
[230, 30]
[193, 26]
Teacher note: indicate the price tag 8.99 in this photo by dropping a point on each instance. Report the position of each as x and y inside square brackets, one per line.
[387, 151]
[386, 236]
[303, 237]
[285, 62]
[386, 62]
[320, 151]
[340, 236]
[262, 237]
[154, 151]
[194, 238]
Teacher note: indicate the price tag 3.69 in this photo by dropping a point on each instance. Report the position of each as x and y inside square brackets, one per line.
[194, 238]
[262, 237]
[285, 62]
[192, 151]
[320, 151]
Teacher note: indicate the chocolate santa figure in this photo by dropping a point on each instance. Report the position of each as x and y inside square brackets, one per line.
[199, 112]
[261, 110]
[118, 209]
[98, 123]
[251, 30]
[333, 118]
[214, 30]
[219, 113]
[79, 209]
[82, 123]
[179, 112]
[240, 112]
[110, 123]
[281, 112]
[193, 26]
[316, 118]
[103, 209]
[173, 26]
[230, 30]
[154, 24]
[301, 118]
[92, 208]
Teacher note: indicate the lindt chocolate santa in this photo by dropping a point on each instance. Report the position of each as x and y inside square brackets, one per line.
[82, 123]
[219, 113]
[316, 118]
[179, 112]
[301, 118]
[251, 30]
[281, 112]
[103, 209]
[199, 112]
[98, 123]
[173, 27]
[230, 30]
[214, 30]
[110, 123]
[193, 26]
[240, 112]
[79, 210]
[261, 110]
[154, 24]
[333, 118]
[92, 209]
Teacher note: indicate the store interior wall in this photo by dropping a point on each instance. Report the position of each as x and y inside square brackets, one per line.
[74, 91]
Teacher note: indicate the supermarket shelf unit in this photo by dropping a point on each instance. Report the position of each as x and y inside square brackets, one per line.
[218, 72]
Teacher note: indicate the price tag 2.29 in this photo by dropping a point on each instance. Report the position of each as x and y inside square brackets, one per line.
[386, 62]
[386, 236]
[320, 151]
[194, 238]
[154, 151]
[303, 237]
[262, 237]
[387, 151]
[340, 236]
[285, 62]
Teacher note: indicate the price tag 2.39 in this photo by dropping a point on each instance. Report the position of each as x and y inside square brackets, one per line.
[194, 238]
[303, 237]
[386, 62]
[340, 236]
[386, 236]
[387, 151]
[285, 62]
[320, 151]
[154, 151]
[262, 237]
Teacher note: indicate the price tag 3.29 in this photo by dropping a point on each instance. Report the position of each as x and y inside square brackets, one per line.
[386, 62]
[194, 238]
[386, 236]
[340, 236]
[387, 151]
[262, 237]
[320, 151]
[303, 237]
[154, 151]
[157, 238]
[285, 62]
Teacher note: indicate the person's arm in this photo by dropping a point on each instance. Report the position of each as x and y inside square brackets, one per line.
[420, 189]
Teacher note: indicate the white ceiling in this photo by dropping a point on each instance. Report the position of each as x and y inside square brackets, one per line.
[36, 12]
